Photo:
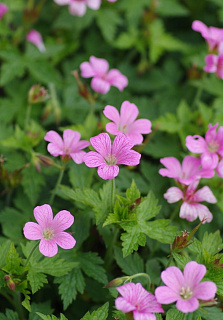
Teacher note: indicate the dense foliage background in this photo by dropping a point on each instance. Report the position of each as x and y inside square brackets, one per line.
[152, 43]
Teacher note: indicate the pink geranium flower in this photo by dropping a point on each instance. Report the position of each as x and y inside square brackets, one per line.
[210, 147]
[126, 122]
[214, 64]
[3, 9]
[35, 37]
[102, 78]
[185, 288]
[187, 173]
[191, 208]
[70, 146]
[212, 35]
[108, 157]
[79, 7]
[136, 299]
[49, 230]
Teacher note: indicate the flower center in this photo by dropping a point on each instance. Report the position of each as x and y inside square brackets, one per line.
[111, 160]
[48, 233]
[124, 128]
[213, 147]
[186, 293]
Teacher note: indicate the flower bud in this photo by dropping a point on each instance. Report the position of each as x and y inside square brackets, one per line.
[10, 282]
[37, 94]
[116, 282]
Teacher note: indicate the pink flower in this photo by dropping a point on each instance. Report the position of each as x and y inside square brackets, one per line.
[70, 145]
[79, 7]
[109, 156]
[3, 9]
[126, 122]
[49, 230]
[102, 78]
[214, 64]
[210, 147]
[185, 288]
[35, 37]
[136, 299]
[187, 173]
[213, 36]
[191, 208]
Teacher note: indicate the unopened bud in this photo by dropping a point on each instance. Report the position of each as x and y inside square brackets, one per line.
[116, 282]
[37, 94]
[10, 282]
[180, 242]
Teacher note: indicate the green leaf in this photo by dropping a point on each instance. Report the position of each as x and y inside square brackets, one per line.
[148, 208]
[36, 280]
[133, 192]
[160, 230]
[174, 314]
[9, 315]
[108, 21]
[90, 263]
[130, 265]
[169, 123]
[11, 70]
[69, 285]
[80, 176]
[40, 307]
[212, 242]
[43, 71]
[171, 8]
[13, 261]
[4, 249]
[132, 239]
[99, 314]
[44, 317]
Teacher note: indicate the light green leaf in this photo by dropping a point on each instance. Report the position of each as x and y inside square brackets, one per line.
[212, 242]
[99, 314]
[174, 314]
[9, 315]
[148, 208]
[90, 264]
[108, 21]
[132, 239]
[36, 280]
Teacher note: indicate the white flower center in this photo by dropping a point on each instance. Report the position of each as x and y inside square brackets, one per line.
[48, 233]
[111, 160]
[186, 293]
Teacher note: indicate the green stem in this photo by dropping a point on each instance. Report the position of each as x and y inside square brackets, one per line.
[18, 305]
[57, 185]
[142, 274]
[31, 253]
[112, 193]
[28, 111]
[199, 91]
[109, 256]
[175, 211]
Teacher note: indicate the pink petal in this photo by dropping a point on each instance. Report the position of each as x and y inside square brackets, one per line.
[100, 66]
[112, 114]
[64, 240]
[128, 113]
[112, 128]
[78, 157]
[189, 211]
[205, 194]
[165, 295]
[123, 305]
[87, 70]
[62, 2]
[102, 144]
[32, 231]
[129, 158]
[128, 291]
[205, 290]
[220, 67]
[100, 85]
[194, 273]
[186, 306]
[211, 61]
[107, 172]
[209, 160]
[173, 194]
[82, 144]
[77, 8]
[196, 144]
[117, 79]
[204, 213]
[219, 168]
[62, 221]
[190, 165]
[134, 138]
[173, 167]
[200, 27]
[140, 315]
[93, 159]
[48, 247]
[43, 215]
[3, 9]
[173, 278]
[71, 138]
[56, 146]
[94, 4]
[140, 126]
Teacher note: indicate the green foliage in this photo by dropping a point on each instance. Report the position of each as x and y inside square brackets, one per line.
[100, 313]
[42, 316]
[9, 315]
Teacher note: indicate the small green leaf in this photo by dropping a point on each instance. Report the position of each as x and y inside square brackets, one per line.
[99, 314]
[212, 242]
[9, 315]
[174, 314]
[36, 280]
[130, 265]
[148, 208]
[90, 263]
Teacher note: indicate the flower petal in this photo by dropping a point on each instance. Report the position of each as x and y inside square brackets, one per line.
[128, 113]
[78, 157]
[87, 70]
[64, 240]
[111, 127]
[200, 27]
[94, 4]
[32, 231]
[112, 114]
[205, 194]
[189, 211]
[173, 278]
[194, 273]
[173, 194]
[205, 290]
[140, 126]
[123, 305]
[43, 215]
[102, 144]
[93, 159]
[186, 306]
[99, 65]
[117, 79]
[77, 8]
[196, 144]
[141, 315]
[173, 167]
[107, 172]
[62, 221]
[56, 146]
[71, 138]
[100, 85]
[48, 247]
[165, 295]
